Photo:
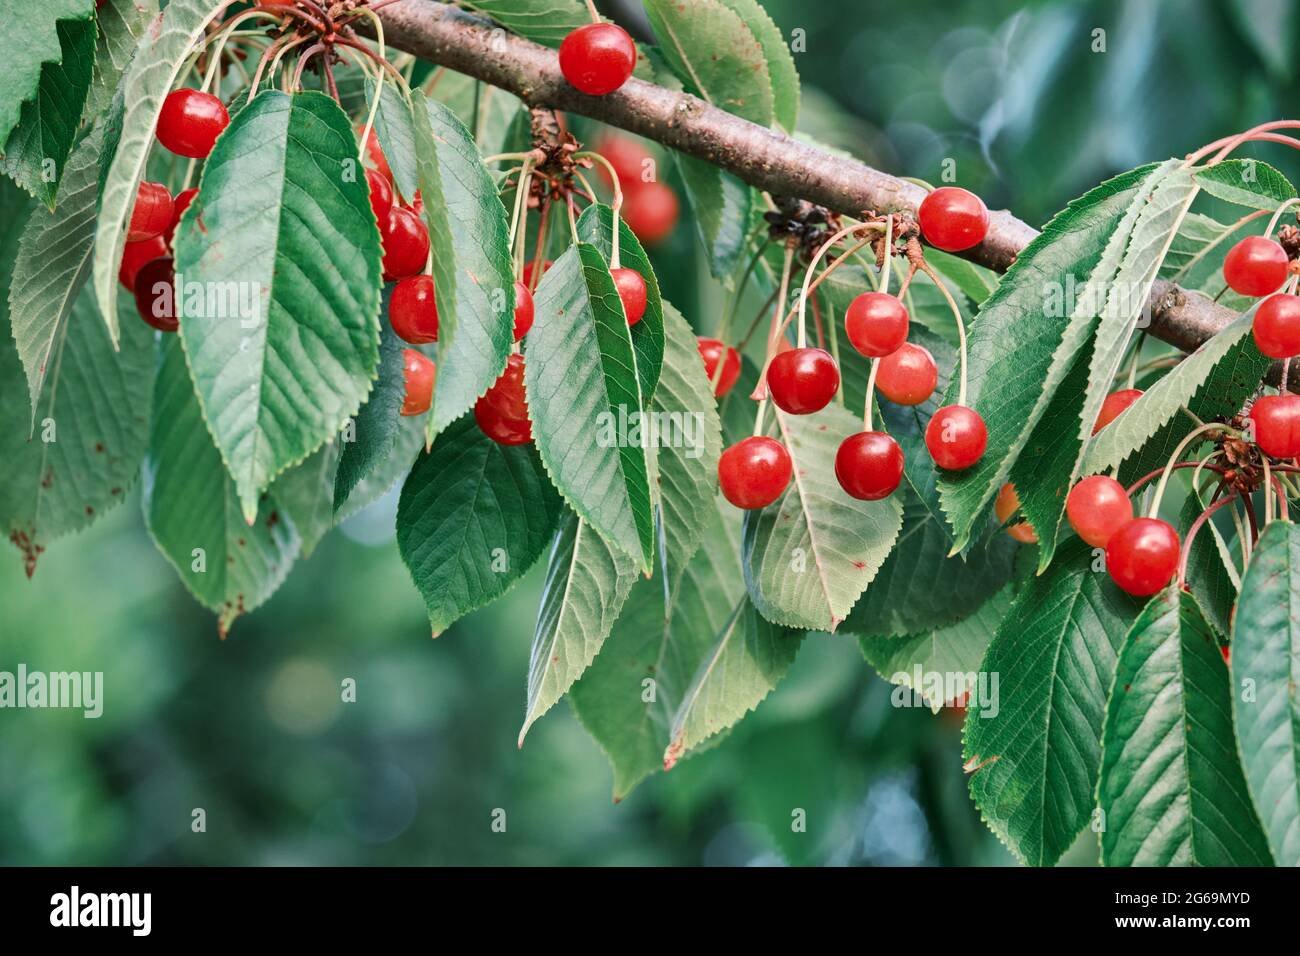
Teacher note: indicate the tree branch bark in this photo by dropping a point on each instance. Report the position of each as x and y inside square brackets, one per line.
[764, 158]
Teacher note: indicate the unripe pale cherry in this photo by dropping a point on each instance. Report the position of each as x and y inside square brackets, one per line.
[631, 292]
[754, 472]
[523, 310]
[413, 310]
[1097, 507]
[1276, 422]
[1113, 405]
[803, 381]
[1005, 505]
[190, 122]
[650, 211]
[869, 465]
[712, 351]
[597, 58]
[876, 324]
[418, 373]
[953, 219]
[155, 294]
[907, 376]
[1255, 266]
[406, 244]
[152, 213]
[1142, 555]
[956, 437]
[1276, 326]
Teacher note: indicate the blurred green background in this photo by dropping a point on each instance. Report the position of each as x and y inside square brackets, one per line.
[253, 730]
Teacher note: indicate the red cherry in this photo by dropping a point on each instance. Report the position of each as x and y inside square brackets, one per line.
[152, 213]
[155, 294]
[712, 351]
[1277, 326]
[953, 219]
[1097, 507]
[876, 324]
[803, 381]
[1113, 405]
[597, 58]
[523, 310]
[135, 255]
[412, 310]
[376, 154]
[179, 205]
[1277, 425]
[632, 292]
[502, 413]
[381, 195]
[190, 122]
[627, 156]
[869, 465]
[754, 472]
[418, 372]
[650, 211]
[1255, 266]
[956, 437]
[907, 376]
[528, 273]
[406, 244]
[1142, 555]
[1007, 504]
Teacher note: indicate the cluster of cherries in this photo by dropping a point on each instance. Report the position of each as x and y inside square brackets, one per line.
[1142, 554]
[754, 472]
[188, 125]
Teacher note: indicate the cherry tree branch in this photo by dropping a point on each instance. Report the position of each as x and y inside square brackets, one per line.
[764, 158]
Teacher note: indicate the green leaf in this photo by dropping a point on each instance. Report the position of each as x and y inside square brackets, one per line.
[473, 517]
[395, 128]
[951, 653]
[1195, 265]
[281, 246]
[408, 444]
[1171, 786]
[543, 21]
[30, 41]
[494, 117]
[1027, 333]
[379, 421]
[921, 588]
[1246, 182]
[152, 73]
[780, 62]
[38, 147]
[587, 582]
[305, 493]
[595, 226]
[472, 272]
[722, 207]
[121, 24]
[1214, 586]
[663, 683]
[1201, 380]
[193, 512]
[583, 393]
[53, 264]
[810, 554]
[1035, 761]
[1266, 653]
[715, 55]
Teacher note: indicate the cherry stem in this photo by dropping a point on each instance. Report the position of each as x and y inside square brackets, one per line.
[871, 389]
[812, 267]
[573, 223]
[303, 60]
[1277, 215]
[1261, 132]
[521, 190]
[1154, 510]
[758, 416]
[961, 328]
[817, 324]
[1281, 497]
[616, 204]
[887, 263]
[775, 330]
[1218, 469]
[1191, 534]
[539, 253]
